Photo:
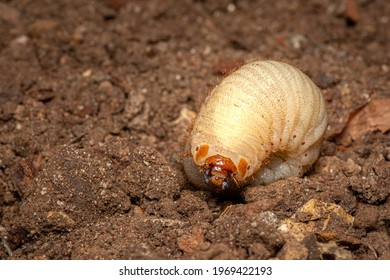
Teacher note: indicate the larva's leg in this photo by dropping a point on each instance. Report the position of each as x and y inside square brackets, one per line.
[278, 168]
[284, 166]
[194, 174]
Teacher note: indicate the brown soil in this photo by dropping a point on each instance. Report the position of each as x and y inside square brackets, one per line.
[94, 104]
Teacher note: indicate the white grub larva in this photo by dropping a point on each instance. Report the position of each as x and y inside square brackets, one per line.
[263, 122]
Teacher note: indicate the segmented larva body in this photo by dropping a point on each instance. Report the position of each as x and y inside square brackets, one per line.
[263, 122]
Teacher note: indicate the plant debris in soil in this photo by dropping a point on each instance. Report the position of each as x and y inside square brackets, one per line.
[96, 98]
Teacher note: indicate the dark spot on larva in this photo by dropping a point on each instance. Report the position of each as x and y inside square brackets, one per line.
[272, 144]
[202, 152]
[280, 139]
[294, 136]
[303, 143]
[249, 167]
[305, 155]
[197, 149]
[242, 166]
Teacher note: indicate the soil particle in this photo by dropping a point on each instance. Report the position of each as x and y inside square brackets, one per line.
[238, 232]
[189, 243]
[373, 187]
[293, 250]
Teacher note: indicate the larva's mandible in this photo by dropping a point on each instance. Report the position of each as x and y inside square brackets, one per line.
[263, 122]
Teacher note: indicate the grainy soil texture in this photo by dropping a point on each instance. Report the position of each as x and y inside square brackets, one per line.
[96, 99]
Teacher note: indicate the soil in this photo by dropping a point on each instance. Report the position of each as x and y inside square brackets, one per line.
[96, 99]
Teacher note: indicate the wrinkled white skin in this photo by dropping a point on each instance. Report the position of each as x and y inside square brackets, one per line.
[277, 169]
[282, 166]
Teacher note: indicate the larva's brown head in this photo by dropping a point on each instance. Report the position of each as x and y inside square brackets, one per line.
[219, 171]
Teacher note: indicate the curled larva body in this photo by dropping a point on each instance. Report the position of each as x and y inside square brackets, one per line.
[263, 122]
